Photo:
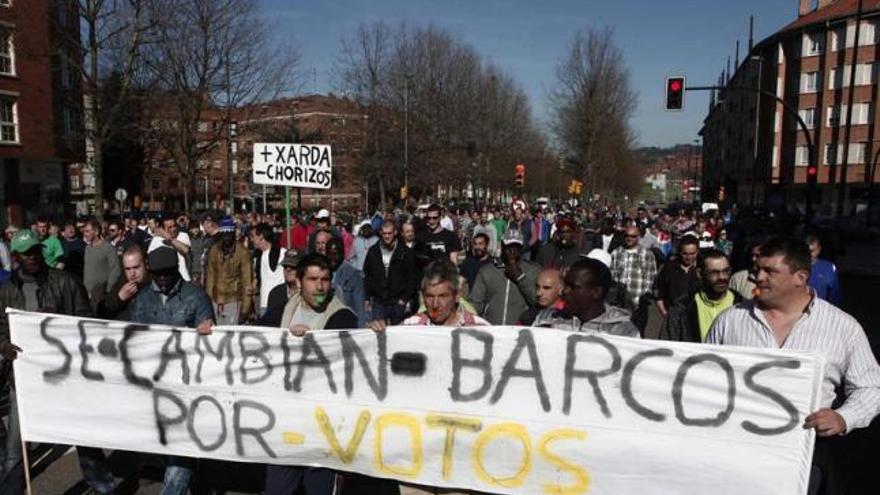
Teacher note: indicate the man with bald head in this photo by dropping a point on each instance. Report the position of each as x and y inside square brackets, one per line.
[548, 297]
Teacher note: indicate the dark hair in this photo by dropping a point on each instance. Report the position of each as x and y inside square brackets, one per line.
[483, 235]
[688, 240]
[795, 252]
[442, 270]
[264, 230]
[337, 241]
[709, 254]
[435, 207]
[95, 225]
[599, 273]
[313, 259]
[811, 238]
[42, 219]
[135, 248]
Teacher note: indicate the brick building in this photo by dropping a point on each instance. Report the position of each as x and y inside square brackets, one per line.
[40, 106]
[324, 119]
[756, 149]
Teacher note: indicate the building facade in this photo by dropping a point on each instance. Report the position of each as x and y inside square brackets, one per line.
[40, 107]
[321, 119]
[755, 146]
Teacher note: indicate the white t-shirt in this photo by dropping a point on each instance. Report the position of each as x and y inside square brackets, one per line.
[446, 223]
[183, 237]
[270, 279]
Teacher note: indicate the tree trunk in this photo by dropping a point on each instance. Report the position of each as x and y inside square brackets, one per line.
[98, 171]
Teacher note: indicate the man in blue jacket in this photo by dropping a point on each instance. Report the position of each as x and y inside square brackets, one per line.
[823, 274]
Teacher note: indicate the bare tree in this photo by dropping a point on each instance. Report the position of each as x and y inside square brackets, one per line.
[465, 120]
[213, 56]
[593, 104]
[110, 44]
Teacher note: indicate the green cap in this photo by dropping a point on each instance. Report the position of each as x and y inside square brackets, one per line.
[24, 240]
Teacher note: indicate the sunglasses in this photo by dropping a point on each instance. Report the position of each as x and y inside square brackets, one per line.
[433, 217]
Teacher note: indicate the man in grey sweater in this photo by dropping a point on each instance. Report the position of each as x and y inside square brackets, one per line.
[101, 264]
[504, 291]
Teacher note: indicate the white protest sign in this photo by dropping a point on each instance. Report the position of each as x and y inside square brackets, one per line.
[494, 409]
[294, 165]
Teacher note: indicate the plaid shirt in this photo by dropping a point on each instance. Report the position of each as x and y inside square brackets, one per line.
[635, 269]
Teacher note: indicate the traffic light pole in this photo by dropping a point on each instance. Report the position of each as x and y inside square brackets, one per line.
[792, 111]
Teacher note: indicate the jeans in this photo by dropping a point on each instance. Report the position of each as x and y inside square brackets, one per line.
[178, 475]
[392, 313]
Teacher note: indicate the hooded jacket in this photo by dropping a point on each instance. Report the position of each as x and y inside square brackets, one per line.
[500, 300]
[614, 321]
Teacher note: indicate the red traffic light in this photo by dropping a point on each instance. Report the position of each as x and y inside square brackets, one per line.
[675, 87]
[812, 170]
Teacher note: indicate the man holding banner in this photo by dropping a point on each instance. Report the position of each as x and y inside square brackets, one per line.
[36, 287]
[787, 314]
[170, 300]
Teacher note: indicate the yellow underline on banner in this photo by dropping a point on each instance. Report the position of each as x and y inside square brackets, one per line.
[293, 438]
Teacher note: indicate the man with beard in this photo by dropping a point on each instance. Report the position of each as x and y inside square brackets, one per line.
[563, 251]
[692, 314]
[389, 276]
[479, 256]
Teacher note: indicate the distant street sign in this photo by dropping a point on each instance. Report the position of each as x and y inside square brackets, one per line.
[293, 165]
[120, 194]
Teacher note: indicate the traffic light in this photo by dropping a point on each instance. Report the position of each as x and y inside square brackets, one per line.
[812, 174]
[675, 93]
[520, 179]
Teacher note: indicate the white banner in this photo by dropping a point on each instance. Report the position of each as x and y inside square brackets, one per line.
[495, 409]
[294, 165]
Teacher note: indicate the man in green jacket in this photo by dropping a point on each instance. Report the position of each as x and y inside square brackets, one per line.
[504, 290]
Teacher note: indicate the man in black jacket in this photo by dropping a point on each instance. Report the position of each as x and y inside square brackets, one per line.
[36, 287]
[691, 316]
[389, 276]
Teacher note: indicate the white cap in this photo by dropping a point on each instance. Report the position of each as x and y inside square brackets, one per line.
[322, 213]
[600, 255]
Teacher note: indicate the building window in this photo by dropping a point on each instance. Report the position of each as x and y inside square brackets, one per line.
[7, 52]
[801, 156]
[834, 153]
[173, 182]
[866, 74]
[809, 117]
[867, 35]
[775, 162]
[8, 120]
[809, 82]
[813, 44]
[74, 183]
[837, 115]
[203, 126]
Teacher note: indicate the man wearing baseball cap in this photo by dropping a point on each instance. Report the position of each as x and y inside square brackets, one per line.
[170, 300]
[33, 286]
[504, 290]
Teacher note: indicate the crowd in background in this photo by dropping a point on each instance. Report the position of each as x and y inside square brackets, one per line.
[603, 269]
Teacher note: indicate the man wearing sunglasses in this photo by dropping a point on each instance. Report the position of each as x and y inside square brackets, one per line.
[635, 267]
[437, 241]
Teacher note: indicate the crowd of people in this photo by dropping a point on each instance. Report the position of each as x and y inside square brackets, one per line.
[712, 276]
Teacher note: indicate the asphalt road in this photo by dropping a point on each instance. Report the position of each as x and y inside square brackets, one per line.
[57, 471]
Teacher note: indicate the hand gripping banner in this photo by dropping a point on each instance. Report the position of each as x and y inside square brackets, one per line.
[494, 409]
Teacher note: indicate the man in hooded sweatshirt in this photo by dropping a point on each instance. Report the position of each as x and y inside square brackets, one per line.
[586, 284]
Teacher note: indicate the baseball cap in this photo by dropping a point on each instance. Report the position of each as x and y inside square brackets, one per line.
[24, 240]
[362, 224]
[291, 258]
[512, 236]
[163, 258]
[600, 255]
[322, 213]
[227, 226]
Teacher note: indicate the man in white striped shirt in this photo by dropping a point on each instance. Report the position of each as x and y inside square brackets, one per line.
[786, 314]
